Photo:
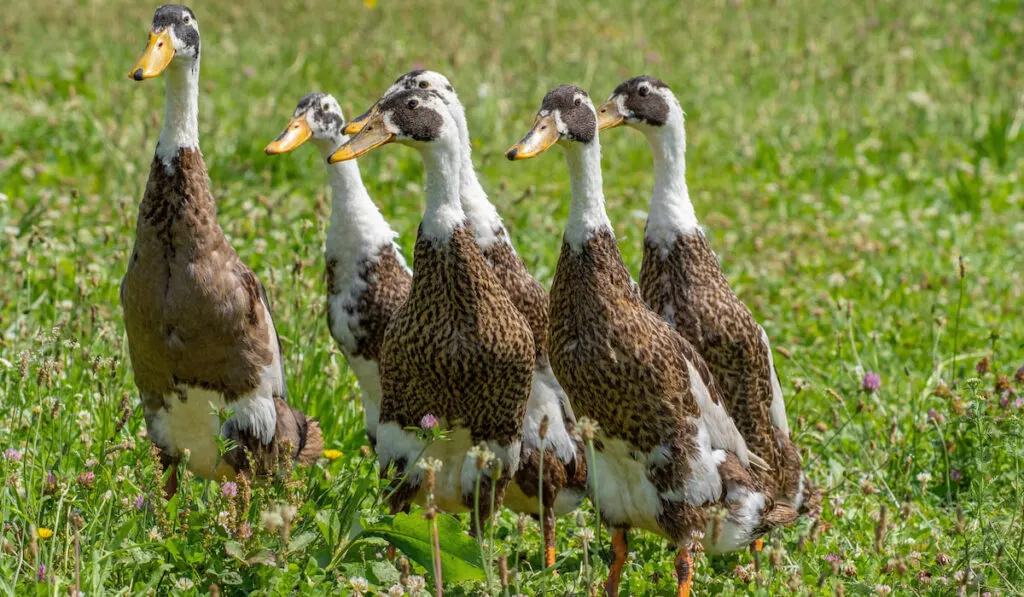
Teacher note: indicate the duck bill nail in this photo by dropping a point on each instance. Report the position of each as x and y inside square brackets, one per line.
[542, 136]
[157, 55]
[356, 124]
[608, 116]
[372, 136]
[295, 134]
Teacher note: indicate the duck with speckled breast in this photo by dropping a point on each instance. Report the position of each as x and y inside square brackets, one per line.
[367, 278]
[548, 412]
[682, 280]
[666, 452]
[457, 349]
[197, 320]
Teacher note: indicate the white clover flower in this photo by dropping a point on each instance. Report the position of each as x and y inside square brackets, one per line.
[359, 584]
[396, 591]
[184, 584]
[416, 585]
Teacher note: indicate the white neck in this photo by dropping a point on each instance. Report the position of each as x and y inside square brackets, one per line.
[480, 212]
[586, 212]
[357, 229]
[181, 116]
[671, 213]
[444, 212]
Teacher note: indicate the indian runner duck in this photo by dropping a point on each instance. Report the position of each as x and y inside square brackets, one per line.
[197, 319]
[457, 349]
[682, 280]
[666, 450]
[367, 278]
[564, 464]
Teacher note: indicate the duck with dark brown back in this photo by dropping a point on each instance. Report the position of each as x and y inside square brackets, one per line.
[198, 322]
[558, 476]
[458, 349]
[682, 280]
[666, 451]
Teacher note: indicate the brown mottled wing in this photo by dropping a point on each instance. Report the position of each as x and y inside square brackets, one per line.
[523, 289]
[686, 284]
[388, 285]
[619, 363]
[457, 348]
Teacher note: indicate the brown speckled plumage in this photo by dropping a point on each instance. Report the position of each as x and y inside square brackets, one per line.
[681, 280]
[195, 315]
[686, 285]
[620, 363]
[388, 282]
[457, 348]
[523, 289]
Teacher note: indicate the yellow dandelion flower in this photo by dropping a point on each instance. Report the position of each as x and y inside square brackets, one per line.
[45, 533]
[332, 454]
[370, 3]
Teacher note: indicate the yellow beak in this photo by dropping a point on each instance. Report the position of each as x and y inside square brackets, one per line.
[608, 116]
[356, 124]
[370, 137]
[295, 134]
[543, 135]
[158, 54]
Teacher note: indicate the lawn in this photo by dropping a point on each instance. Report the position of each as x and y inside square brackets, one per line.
[857, 167]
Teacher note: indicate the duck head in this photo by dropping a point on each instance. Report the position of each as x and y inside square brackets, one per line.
[173, 38]
[317, 117]
[641, 103]
[426, 80]
[566, 116]
[415, 117]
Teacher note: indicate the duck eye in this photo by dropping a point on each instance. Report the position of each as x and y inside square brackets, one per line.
[187, 19]
[577, 101]
[424, 85]
[412, 104]
[324, 107]
[645, 91]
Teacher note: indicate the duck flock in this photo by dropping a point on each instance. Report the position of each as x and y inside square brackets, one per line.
[670, 381]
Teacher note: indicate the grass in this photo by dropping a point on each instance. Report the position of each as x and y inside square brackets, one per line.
[857, 166]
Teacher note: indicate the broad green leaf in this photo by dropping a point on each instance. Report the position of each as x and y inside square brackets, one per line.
[235, 550]
[411, 533]
[301, 542]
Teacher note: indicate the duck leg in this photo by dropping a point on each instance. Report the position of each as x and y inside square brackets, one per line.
[619, 548]
[684, 572]
[755, 549]
[549, 536]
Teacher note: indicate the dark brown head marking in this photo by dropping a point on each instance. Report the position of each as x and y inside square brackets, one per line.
[644, 100]
[414, 114]
[574, 113]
